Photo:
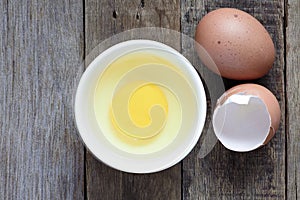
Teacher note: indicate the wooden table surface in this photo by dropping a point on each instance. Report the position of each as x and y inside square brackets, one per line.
[43, 44]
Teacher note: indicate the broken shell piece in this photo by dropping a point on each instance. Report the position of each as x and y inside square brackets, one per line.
[246, 117]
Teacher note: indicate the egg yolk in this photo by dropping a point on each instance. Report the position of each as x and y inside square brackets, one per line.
[141, 102]
[139, 109]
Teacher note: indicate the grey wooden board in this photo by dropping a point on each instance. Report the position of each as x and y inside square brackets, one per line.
[43, 44]
[41, 156]
[228, 175]
[102, 20]
[293, 99]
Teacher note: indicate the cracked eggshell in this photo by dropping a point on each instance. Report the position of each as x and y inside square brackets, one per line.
[246, 117]
[237, 43]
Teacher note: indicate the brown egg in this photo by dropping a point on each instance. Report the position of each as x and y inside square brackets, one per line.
[238, 44]
[246, 117]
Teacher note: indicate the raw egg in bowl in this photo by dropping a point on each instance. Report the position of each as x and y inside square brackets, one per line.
[140, 106]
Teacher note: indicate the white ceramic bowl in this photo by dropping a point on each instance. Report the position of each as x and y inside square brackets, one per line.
[102, 148]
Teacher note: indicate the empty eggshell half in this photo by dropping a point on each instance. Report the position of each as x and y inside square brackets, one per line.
[246, 117]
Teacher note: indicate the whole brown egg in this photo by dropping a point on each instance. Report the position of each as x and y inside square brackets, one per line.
[238, 45]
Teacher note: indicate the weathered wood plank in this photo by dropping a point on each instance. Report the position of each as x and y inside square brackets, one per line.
[228, 175]
[293, 99]
[102, 20]
[41, 156]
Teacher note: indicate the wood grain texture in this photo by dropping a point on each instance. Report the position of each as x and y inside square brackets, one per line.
[102, 20]
[293, 99]
[43, 44]
[228, 175]
[41, 156]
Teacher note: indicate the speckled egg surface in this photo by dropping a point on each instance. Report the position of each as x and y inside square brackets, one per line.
[239, 45]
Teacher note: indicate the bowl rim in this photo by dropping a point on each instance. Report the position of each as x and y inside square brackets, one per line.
[198, 89]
